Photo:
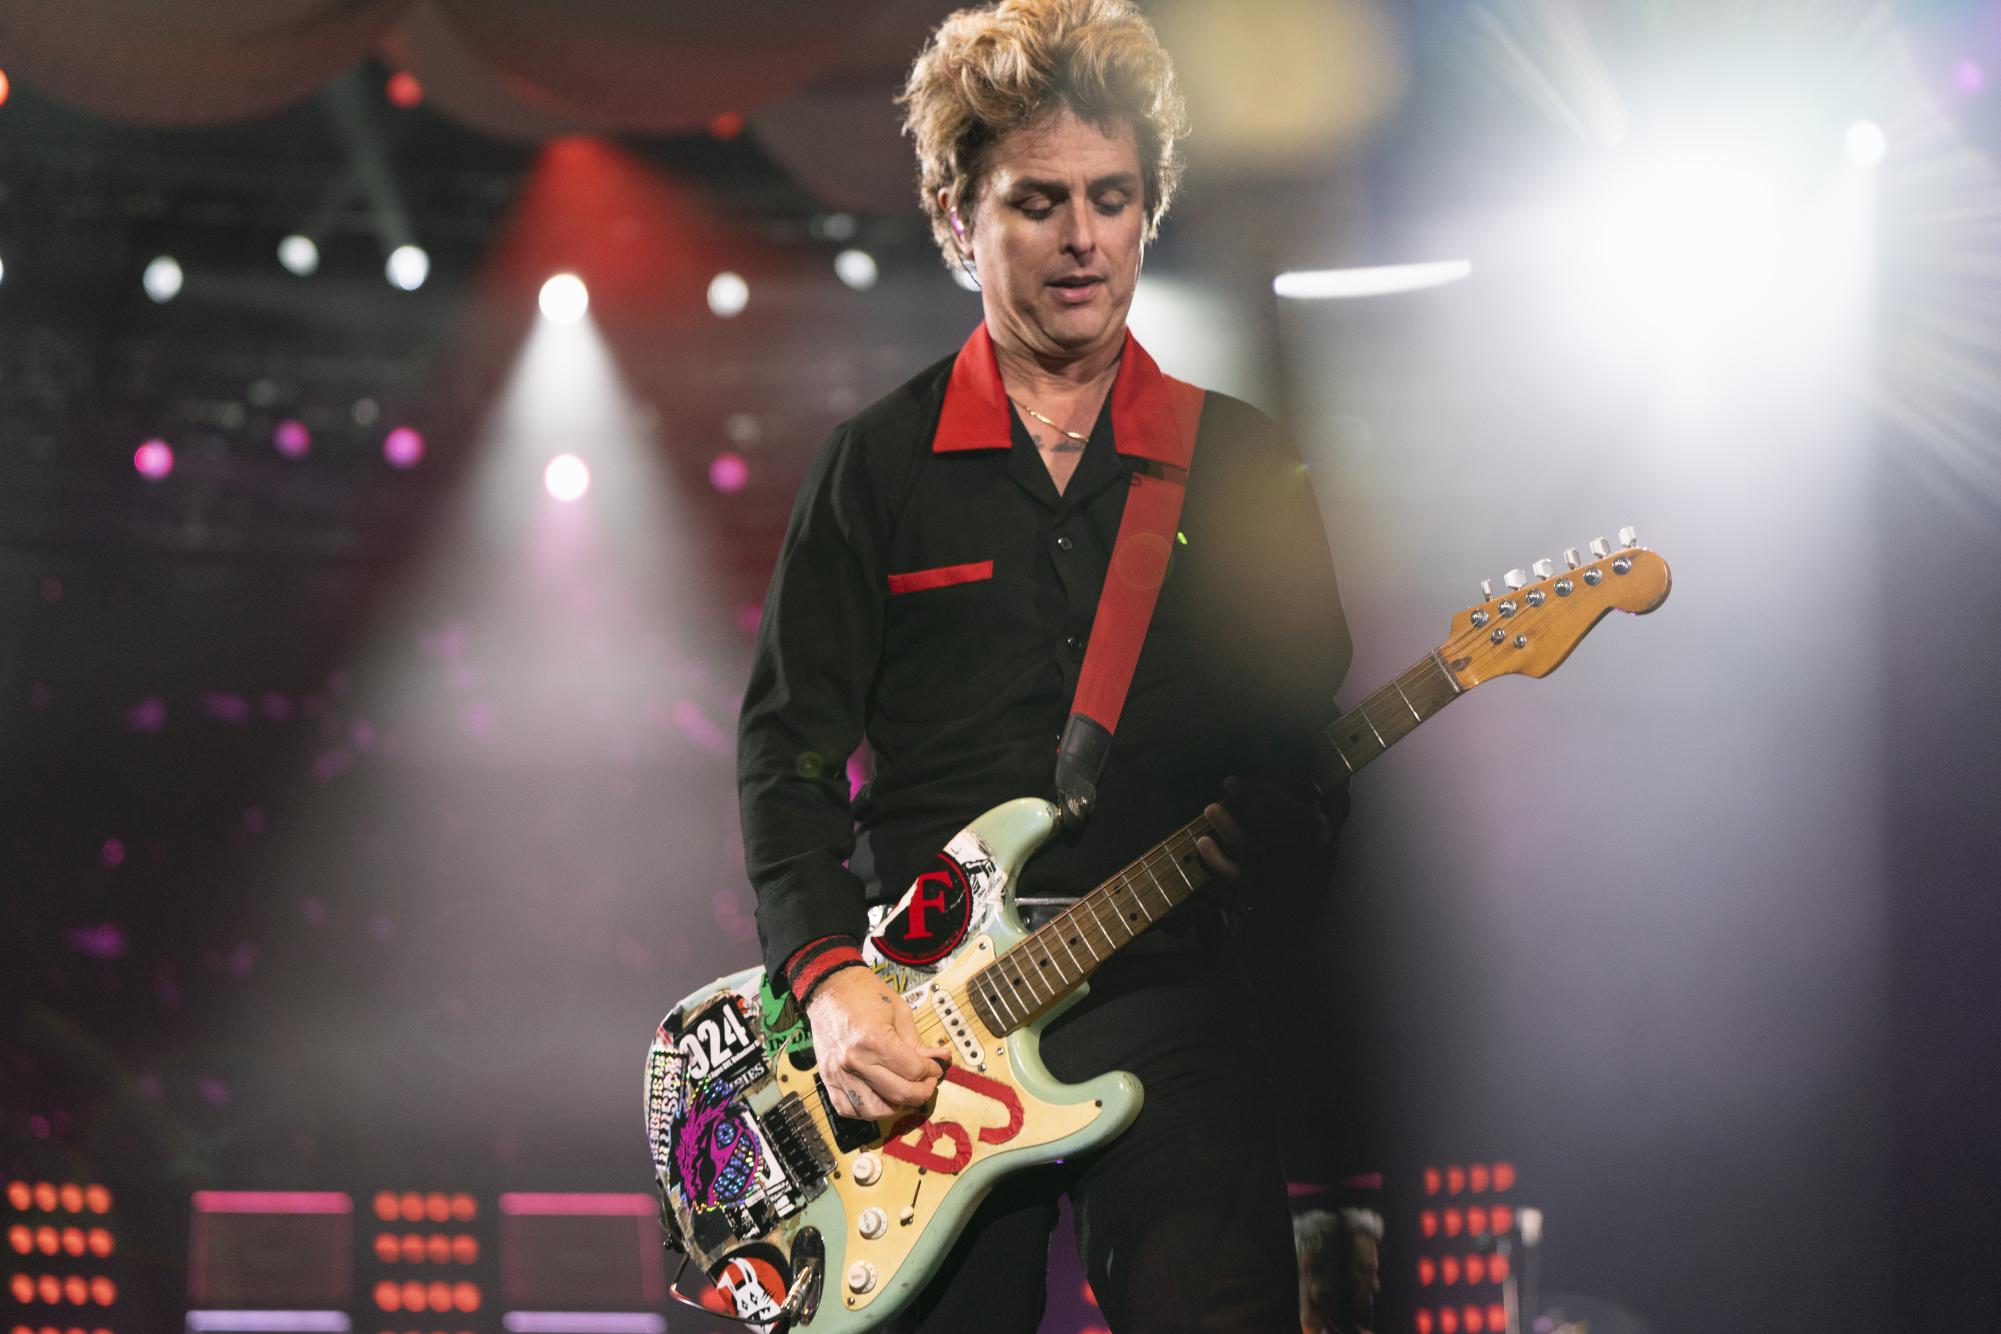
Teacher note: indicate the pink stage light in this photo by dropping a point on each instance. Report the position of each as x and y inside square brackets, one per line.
[517, 1202]
[154, 459]
[292, 439]
[567, 477]
[728, 473]
[273, 1202]
[403, 447]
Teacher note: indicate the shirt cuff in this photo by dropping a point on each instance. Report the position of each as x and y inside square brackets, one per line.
[813, 963]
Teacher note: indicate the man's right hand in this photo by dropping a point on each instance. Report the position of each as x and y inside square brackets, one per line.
[865, 1042]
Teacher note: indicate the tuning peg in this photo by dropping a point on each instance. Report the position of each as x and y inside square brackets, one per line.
[1628, 538]
[1543, 568]
[1600, 548]
[1486, 590]
[1570, 560]
[1514, 578]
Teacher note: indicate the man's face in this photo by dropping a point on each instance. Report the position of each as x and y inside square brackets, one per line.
[1362, 1281]
[1055, 234]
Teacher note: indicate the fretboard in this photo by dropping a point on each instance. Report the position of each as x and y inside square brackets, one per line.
[1027, 981]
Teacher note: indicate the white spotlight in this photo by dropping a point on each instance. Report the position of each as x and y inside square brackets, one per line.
[3, 270]
[408, 267]
[567, 477]
[856, 268]
[565, 299]
[728, 294]
[163, 279]
[299, 255]
[1866, 143]
[1381, 280]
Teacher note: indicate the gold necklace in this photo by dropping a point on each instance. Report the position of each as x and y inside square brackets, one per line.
[1080, 439]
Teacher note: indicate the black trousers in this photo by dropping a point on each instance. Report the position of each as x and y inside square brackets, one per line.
[1182, 1222]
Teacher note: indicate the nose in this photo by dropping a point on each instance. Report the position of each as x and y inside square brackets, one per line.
[1081, 237]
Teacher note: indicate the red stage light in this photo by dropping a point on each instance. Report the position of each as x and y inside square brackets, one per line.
[439, 1294]
[1476, 1320]
[1454, 1221]
[1448, 1269]
[1427, 1271]
[45, 1240]
[71, 1196]
[388, 1297]
[413, 1296]
[385, 1205]
[1504, 1176]
[413, 1247]
[1497, 1268]
[45, 1197]
[403, 89]
[438, 1248]
[437, 1206]
[103, 1291]
[1424, 1322]
[465, 1248]
[465, 1296]
[1476, 1222]
[20, 1195]
[726, 125]
[76, 1290]
[23, 1288]
[1427, 1223]
[49, 1289]
[20, 1239]
[1501, 1218]
[1455, 1179]
[1476, 1268]
[412, 1205]
[385, 1248]
[1434, 1181]
[1497, 1317]
[73, 1241]
[97, 1199]
[1478, 1178]
[5, 87]
[464, 1207]
[1448, 1321]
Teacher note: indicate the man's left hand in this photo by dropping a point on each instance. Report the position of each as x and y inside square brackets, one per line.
[1260, 829]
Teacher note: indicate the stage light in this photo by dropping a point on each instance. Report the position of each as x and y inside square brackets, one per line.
[154, 460]
[1379, 280]
[3, 270]
[856, 268]
[1478, 1178]
[1475, 1319]
[20, 1239]
[1455, 1179]
[162, 280]
[1968, 74]
[385, 1247]
[23, 1288]
[1427, 1271]
[564, 299]
[1424, 1322]
[5, 87]
[97, 1199]
[45, 1197]
[45, 1240]
[728, 294]
[1476, 1269]
[1501, 1218]
[728, 473]
[403, 89]
[1427, 1222]
[299, 255]
[1497, 1317]
[1454, 1222]
[1448, 1270]
[1865, 143]
[1434, 1181]
[437, 1206]
[1497, 1268]
[385, 1205]
[292, 439]
[408, 267]
[20, 1195]
[1504, 1176]
[567, 478]
[404, 448]
[464, 1207]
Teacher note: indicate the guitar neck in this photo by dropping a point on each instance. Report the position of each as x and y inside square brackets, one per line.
[1031, 978]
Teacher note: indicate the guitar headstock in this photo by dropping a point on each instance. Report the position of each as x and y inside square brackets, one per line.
[1530, 628]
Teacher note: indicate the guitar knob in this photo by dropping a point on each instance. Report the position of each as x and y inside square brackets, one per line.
[861, 1276]
[867, 1169]
[1515, 578]
[1600, 548]
[1628, 537]
[872, 1223]
[1570, 557]
[1543, 568]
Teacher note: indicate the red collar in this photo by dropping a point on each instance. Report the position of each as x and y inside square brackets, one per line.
[1153, 415]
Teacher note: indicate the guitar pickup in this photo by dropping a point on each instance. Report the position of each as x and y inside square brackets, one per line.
[957, 1027]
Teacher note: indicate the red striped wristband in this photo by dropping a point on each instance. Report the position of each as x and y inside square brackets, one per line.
[815, 962]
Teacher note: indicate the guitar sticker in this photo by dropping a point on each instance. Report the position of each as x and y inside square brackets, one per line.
[719, 1043]
[754, 1279]
[957, 897]
[922, 1149]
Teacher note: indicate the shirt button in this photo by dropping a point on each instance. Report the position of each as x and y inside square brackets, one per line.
[1075, 643]
[1064, 544]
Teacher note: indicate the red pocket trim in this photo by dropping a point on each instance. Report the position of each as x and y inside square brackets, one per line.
[941, 576]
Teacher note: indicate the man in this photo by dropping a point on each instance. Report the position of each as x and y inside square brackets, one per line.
[1340, 1269]
[934, 596]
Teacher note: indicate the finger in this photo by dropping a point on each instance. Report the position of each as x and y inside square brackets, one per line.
[896, 1050]
[1265, 807]
[854, 1099]
[906, 1028]
[1214, 858]
[1229, 832]
[896, 1091]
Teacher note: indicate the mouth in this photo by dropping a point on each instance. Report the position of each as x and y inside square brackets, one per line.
[1077, 288]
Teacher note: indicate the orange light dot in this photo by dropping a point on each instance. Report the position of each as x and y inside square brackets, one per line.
[97, 1199]
[1427, 1271]
[387, 1298]
[1455, 1222]
[1504, 1176]
[45, 1240]
[385, 1205]
[437, 1206]
[1501, 1218]
[413, 1296]
[99, 1242]
[23, 1288]
[726, 124]
[465, 1296]
[1434, 1181]
[385, 1248]
[1448, 1269]
[1476, 1268]
[71, 1195]
[1427, 1223]
[413, 1247]
[413, 1206]
[1497, 1269]
[20, 1239]
[76, 1290]
[1448, 1321]
[1476, 1222]
[45, 1197]
[438, 1247]
[464, 1207]
[1455, 1180]
[1497, 1317]
[465, 1248]
[21, 1329]
[404, 90]
[103, 1291]
[1476, 1320]
[73, 1241]
[48, 1289]
[1478, 1178]
[1424, 1322]
[440, 1295]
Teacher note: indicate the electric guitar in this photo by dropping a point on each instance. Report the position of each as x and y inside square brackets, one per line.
[801, 1216]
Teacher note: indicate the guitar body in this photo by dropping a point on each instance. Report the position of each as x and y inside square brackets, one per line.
[762, 1184]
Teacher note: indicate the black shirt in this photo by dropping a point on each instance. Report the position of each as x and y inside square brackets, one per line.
[934, 596]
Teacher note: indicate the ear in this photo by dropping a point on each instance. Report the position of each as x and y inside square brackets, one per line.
[954, 221]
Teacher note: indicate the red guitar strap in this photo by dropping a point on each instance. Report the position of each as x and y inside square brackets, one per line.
[1125, 608]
